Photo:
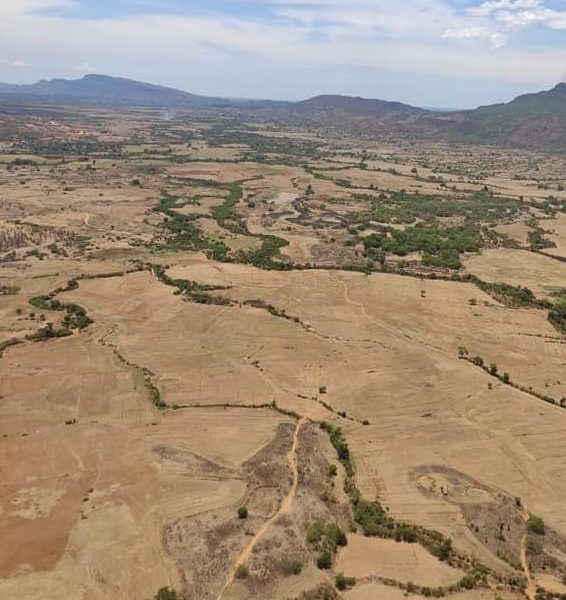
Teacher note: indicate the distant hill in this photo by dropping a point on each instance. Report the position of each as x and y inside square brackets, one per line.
[102, 89]
[354, 106]
[551, 102]
[531, 121]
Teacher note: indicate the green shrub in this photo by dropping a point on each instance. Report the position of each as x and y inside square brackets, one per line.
[48, 332]
[343, 583]
[324, 560]
[444, 550]
[535, 525]
[242, 571]
[315, 533]
[340, 445]
[467, 582]
[242, 512]
[335, 536]
[294, 567]
[510, 295]
[166, 593]
[557, 316]
[7, 343]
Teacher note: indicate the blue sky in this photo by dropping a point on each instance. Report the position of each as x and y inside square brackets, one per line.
[445, 53]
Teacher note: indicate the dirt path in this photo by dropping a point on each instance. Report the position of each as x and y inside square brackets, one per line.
[388, 329]
[347, 298]
[285, 508]
[87, 223]
[92, 227]
[530, 590]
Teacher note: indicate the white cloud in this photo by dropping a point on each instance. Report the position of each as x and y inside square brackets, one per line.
[496, 40]
[487, 8]
[201, 53]
[521, 13]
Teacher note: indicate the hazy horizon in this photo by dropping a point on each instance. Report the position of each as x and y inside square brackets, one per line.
[266, 98]
[439, 53]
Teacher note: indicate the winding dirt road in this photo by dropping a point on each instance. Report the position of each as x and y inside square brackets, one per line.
[285, 508]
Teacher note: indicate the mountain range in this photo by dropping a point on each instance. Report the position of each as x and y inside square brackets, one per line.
[536, 121]
[116, 91]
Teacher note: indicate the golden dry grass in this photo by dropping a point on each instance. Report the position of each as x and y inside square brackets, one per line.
[93, 473]
[557, 227]
[98, 488]
[518, 267]
[401, 372]
[366, 557]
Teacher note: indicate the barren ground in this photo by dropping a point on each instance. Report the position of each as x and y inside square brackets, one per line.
[182, 310]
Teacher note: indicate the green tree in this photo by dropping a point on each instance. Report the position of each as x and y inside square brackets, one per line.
[167, 593]
[335, 536]
[324, 560]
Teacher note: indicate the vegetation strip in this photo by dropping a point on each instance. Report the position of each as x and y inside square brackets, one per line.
[186, 235]
[374, 521]
[505, 378]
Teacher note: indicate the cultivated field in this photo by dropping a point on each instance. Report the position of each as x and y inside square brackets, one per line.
[239, 361]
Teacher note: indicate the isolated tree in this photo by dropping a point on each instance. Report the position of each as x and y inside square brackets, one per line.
[324, 561]
[167, 593]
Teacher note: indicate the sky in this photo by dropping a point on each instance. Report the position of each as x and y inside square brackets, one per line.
[433, 53]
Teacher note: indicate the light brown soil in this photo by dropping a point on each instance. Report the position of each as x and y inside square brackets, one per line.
[285, 508]
[518, 267]
[366, 557]
[104, 497]
[557, 227]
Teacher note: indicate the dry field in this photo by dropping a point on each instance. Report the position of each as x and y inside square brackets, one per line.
[182, 306]
[539, 273]
[365, 557]
[557, 227]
